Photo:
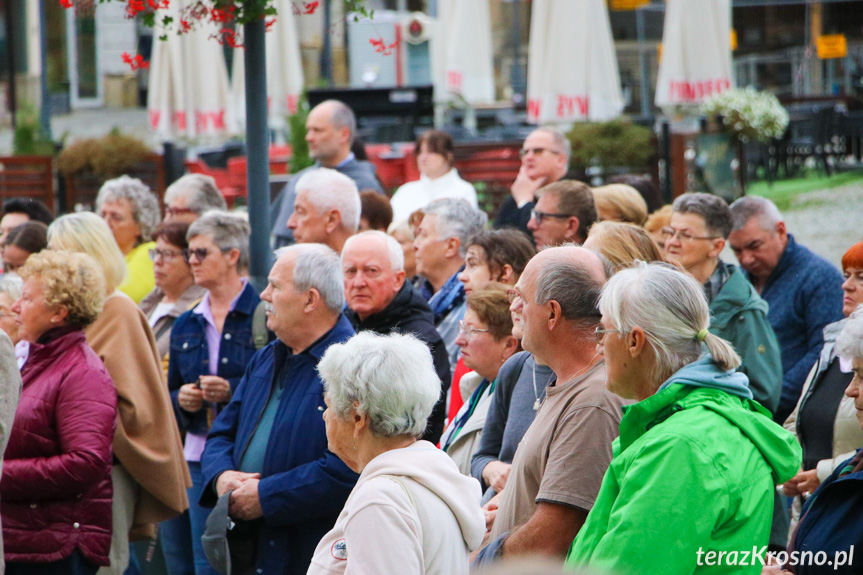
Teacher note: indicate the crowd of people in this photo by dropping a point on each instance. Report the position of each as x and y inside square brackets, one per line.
[416, 391]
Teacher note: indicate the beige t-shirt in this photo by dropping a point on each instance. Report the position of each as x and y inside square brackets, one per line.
[564, 454]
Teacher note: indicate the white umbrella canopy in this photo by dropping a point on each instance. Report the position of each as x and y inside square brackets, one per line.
[572, 65]
[696, 52]
[464, 64]
[284, 70]
[189, 93]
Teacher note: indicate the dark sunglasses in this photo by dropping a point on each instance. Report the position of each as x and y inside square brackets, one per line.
[199, 253]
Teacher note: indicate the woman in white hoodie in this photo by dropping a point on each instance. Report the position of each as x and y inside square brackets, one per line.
[411, 510]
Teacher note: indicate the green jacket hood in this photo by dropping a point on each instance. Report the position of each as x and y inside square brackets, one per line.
[778, 447]
[736, 296]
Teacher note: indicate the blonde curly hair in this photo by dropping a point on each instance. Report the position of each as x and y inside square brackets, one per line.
[69, 279]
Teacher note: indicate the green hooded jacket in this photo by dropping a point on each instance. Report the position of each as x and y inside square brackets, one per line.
[694, 472]
[739, 316]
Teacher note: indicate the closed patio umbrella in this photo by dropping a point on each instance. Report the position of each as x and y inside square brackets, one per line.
[572, 70]
[284, 70]
[696, 52]
[464, 65]
[189, 91]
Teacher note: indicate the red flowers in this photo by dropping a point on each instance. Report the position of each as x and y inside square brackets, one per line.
[310, 7]
[223, 16]
[67, 3]
[135, 62]
[382, 47]
[229, 37]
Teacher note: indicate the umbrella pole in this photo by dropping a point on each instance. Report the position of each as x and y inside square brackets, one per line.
[257, 152]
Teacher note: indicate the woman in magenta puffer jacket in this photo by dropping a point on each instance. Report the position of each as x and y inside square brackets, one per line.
[55, 493]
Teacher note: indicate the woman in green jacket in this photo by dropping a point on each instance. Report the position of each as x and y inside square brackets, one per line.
[690, 488]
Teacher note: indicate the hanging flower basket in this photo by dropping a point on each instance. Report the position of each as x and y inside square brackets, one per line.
[748, 114]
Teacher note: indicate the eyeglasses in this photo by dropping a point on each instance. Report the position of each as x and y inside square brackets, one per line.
[468, 330]
[166, 255]
[668, 232]
[537, 151]
[177, 211]
[539, 216]
[512, 294]
[200, 253]
[599, 333]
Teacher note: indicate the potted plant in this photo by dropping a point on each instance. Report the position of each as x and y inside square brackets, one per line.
[87, 163]
[609, 148]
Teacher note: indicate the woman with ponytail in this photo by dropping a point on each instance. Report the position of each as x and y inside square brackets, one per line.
[697, 460]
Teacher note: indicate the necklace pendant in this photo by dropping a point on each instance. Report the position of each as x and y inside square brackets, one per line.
[536, 404]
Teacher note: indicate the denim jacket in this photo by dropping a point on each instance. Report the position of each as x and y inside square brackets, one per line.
[189, 356]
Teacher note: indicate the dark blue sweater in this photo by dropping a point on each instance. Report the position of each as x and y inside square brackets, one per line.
[804, 293]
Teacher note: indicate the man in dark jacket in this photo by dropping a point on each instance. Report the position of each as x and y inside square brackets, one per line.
[382, 301]
[330, 130]
[269, 445]
[803, 290]
[544, 159]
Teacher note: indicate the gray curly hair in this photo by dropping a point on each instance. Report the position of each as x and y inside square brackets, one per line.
[145, 204]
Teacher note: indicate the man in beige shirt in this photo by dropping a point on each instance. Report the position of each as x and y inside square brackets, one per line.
[560, 462]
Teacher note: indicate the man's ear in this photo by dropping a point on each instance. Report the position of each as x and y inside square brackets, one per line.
[555, 313]
[452, 246]
[572, 228]
[333, 221]
[400, 280]
[780, 228]
[313, 300]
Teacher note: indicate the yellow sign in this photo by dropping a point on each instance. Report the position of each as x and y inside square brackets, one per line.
[733, 39]
[621, 5]
[832, 46]
[659, 52]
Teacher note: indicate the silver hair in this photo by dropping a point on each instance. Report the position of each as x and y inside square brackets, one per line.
[456, 219]
[559, 140]
[748, 207]
[12, 285]
[849, 344]
[390, 378]
[712, 209]
[568, 282]
[343, 116]
[332, 190]
[670, 307]
[394, 249]
[200, 191]
[228, 230]
[318, 266]
[145, 204]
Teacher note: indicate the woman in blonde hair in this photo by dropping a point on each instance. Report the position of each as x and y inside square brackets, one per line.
[619, 202]
[696, 455]
[622, 244]
[56, 487]
[150, 474]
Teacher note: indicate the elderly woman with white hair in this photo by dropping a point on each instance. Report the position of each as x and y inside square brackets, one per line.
[696, 455]
[149, 476]
[131, 210]
[411, 510]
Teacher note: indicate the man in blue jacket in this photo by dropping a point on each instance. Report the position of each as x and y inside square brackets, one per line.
[803, 290]
[269, 445]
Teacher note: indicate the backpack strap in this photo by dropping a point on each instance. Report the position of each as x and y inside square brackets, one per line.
[260, 334]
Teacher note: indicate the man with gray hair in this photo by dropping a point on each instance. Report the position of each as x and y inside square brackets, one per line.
[563, 456]
[544, 160]
[330, 130]
[327, 209]
[803, 290]
[440, 248]
[380, 300]
[268, 447]
[695, 237]
[188, 198]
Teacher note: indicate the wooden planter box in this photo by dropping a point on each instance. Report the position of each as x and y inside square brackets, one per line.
[82, 189]
[27, 177]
